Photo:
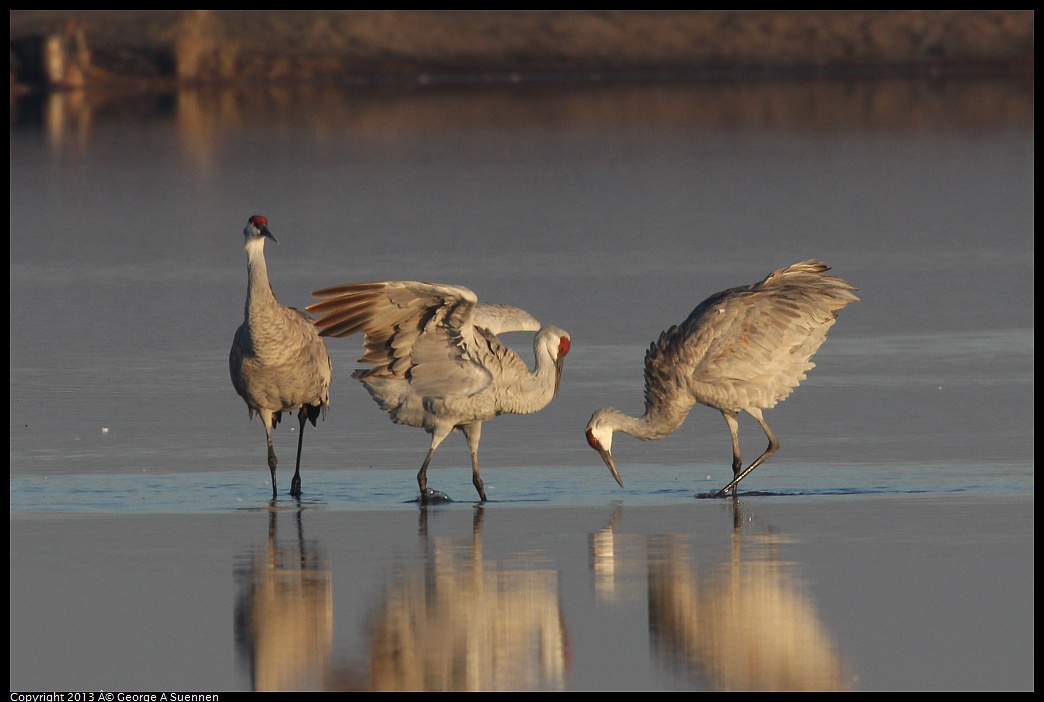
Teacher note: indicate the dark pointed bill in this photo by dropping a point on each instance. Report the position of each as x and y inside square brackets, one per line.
[606, 456]
[266, 233]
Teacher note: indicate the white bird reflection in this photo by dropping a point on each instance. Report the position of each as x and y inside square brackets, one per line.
[746, 624]
[455, 622]
[284, 612]
[464, 623]
[617, 561]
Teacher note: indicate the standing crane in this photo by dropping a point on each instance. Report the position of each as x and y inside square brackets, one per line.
[742, 349]
[435, 359]
[278, 362]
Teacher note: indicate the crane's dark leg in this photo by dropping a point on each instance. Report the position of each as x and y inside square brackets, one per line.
[295, 484]
[422, 477]
[473, 433]
[773, 446]
[732, 419]
[272, 461]
[437, 437]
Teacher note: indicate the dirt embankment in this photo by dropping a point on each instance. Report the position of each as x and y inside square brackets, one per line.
[151, 48]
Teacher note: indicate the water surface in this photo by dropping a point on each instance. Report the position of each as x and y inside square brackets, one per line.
[891, 535]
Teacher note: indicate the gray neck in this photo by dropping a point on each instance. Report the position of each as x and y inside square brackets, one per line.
[259, 289]
[650, 426]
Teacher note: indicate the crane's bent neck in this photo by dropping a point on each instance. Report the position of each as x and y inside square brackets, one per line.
[652, 425]
[545, 369]
[525, 393]
[535, 390]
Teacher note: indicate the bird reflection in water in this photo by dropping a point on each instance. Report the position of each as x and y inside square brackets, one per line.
[284, 610]
[464, 623]
[746, 624]
[457, 622]
[617, 561]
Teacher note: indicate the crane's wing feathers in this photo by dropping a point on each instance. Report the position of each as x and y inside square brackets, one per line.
[503, 319]
[416, 331]
[749, 346]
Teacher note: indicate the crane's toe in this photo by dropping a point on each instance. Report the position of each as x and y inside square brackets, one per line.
[433, 497]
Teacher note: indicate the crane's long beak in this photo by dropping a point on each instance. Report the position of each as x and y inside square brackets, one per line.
[265, 233]
[606, 456]
[558, 372]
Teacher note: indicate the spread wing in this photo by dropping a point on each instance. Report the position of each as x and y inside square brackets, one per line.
[420, 332]
[751, 345]
[503, 319]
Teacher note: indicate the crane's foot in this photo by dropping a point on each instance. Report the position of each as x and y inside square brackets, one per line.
[433, 497]
[724, 492]
[295, 486]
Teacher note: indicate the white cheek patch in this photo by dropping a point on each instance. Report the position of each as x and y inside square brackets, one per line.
[599, 439]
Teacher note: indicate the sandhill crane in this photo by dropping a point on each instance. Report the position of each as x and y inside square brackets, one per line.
[436, 361]
[278, 362]
[745, 348]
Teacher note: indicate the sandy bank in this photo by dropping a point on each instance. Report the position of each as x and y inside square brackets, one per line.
[150, 47]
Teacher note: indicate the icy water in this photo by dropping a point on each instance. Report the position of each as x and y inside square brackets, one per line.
[890, 539]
